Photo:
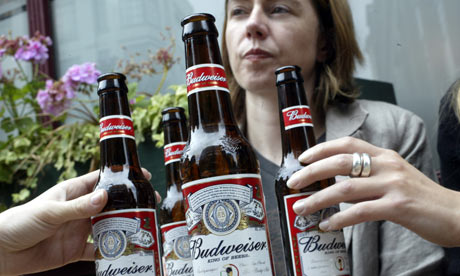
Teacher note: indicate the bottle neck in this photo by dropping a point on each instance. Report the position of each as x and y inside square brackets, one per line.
[209, 100]
[297, 133]
[117, 141]
[175, 138]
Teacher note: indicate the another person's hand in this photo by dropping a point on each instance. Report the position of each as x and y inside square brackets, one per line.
[394, 191]
[51, 230]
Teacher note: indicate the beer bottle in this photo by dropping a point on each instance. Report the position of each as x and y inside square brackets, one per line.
[125, 232]
[176, 243]
[225, 208]
[308, 250]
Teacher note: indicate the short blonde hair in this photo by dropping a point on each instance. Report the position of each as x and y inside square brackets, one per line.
[334, 81]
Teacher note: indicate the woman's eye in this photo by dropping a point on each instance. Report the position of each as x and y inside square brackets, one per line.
[280, 9]
[236, 11]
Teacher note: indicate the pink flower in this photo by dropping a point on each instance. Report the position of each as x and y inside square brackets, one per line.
[76, 74]
[32, 50]
[83, 73]
[54, 99]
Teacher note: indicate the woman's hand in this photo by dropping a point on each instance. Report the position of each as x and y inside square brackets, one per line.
[51, 230]
[394, 191]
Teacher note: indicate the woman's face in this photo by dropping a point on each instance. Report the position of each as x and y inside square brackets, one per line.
[263, 35]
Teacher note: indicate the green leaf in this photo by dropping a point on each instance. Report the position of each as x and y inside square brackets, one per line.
[8, 125]
[21, 142]
[132, 90]
[21, 196]
[33, 87]
[11, 157]
[24, 124]
[13, 92]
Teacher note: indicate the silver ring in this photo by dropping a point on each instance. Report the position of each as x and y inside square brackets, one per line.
[357, 165]
[366, 165]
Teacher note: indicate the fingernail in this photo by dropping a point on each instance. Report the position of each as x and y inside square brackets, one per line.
[149, 175]
[292, 181]
[158, 197]
[96, 198]
[305, 157]
[324, 225]
[298, 207]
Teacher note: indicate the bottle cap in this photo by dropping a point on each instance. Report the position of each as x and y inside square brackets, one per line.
[198, 23]
[287, 74]
[172, 113]
[111, 82]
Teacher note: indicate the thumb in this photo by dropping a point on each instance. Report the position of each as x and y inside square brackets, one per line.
[79, 208]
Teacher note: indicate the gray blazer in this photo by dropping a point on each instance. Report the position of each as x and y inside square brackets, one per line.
[384, 248]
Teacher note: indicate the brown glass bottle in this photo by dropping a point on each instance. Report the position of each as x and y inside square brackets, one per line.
[125, 232]
[308, 250]
[225, 206]
[176, 243]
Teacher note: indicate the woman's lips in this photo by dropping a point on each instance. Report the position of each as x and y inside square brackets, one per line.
[257, 54]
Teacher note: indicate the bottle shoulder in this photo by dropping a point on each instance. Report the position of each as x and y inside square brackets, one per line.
[217, 153]
[288, 167]
[126, 189]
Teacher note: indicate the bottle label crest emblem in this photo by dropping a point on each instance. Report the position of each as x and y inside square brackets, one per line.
[204, 77]
[116, 126]
[173, 152]
[126, 241]
[226, 222]
[311, 249]
[176, 249]
[297, 116]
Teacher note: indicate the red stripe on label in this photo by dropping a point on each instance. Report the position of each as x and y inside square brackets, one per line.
[296, 116]
[115, 126]
[203, 76]
[173, 152]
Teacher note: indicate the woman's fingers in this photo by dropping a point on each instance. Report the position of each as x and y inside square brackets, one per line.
[349, 190]
[338, 146]
[357, 213]
[340, 164]
[322, 169]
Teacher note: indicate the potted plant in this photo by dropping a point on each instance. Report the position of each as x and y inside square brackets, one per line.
[51, 125]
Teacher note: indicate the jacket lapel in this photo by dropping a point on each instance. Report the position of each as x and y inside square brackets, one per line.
[344, 120]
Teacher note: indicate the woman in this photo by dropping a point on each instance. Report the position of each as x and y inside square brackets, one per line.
[262, 35]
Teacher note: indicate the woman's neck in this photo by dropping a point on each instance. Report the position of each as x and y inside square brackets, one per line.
[263, 125]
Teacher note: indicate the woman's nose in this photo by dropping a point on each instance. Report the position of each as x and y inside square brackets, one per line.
[256, 27]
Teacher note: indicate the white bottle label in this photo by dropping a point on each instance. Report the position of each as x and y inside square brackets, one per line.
[314, 252]
[126, 242]
[227, 226]
[176, 249]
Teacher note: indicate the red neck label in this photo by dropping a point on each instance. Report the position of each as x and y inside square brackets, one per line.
[297, 116]
[173, 152]
[116, 126]
[206, 76]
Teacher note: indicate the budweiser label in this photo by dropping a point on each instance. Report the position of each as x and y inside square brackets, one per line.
[297, 116]
[176, 249]
[116, 126]
[226, 221]
[205, 77]
[173, 152]
[314, 252]
[126, 242]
